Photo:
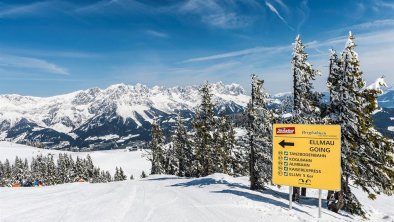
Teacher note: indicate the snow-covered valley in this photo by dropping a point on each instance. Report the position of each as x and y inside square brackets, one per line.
[217, 197]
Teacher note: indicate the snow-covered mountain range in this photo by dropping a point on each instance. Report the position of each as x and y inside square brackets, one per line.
[119, 113]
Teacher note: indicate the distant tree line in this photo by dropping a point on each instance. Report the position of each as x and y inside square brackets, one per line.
[50, 172]
[210, 147]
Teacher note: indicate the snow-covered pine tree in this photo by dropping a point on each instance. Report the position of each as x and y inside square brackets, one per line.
[306, 102]
[26, 170]
[122, 176]
[102, 177]
[116, 175]
[61, 168]
[203, 126]
[70, 165]
[240, 164]
[51, 177]
[33, 168]
[108, 176]
[334, 85]
[80, 170]
[96, 176]
[224, 145]
[143, 175]
[89, 167]
[365, 153]
[17, 170]
[1, 174]
[7, 172]
[171, 161]
[157, 156]
[183, 149]
[260, 139]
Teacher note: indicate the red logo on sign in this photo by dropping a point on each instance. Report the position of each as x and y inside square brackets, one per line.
[285, 130]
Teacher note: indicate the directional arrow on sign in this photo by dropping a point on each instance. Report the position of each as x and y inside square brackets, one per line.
[283, 143]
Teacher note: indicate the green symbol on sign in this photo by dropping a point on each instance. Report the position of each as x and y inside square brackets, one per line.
[286, 168]
[285, 173]
[285, 163]
[286, 158]
[286, 153]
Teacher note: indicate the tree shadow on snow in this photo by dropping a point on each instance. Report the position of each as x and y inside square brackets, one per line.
[258, 198]
[304, 201]
[308, 201]
[164, 178]
[208, 181]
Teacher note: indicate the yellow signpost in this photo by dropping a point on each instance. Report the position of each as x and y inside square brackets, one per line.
[307, 156]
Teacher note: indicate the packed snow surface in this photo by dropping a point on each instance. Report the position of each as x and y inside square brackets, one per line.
[163, 198]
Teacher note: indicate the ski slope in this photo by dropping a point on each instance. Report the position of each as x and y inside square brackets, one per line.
[163, 198]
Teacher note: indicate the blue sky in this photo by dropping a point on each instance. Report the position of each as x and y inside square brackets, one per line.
[54, 47]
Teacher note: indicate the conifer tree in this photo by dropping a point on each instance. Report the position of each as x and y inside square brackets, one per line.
[80, 170]
[61, 167]
[259, 133]
[7, 172]
[17, 170]
[157, 156]
[108, 176]
[171, 161]
[224, 146]
[204, 126]
[1, 174]
[89, 166]
[116, 175]
[183, 149]
[121, 175]
[143, 174]
[365, 158]
[306, 102]
[51, 177]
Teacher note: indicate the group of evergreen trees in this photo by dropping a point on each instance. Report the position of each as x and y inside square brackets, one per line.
[44, 169]
[366, 154]
[366, 159]
[211, 147]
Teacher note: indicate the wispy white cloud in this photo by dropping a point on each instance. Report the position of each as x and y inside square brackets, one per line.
[157, 33]
[372, 24]
[385, 4]
[373, 48]
[25, 10]
[282, 4]
[19, 62]
[49, 53]
[221, 14]
[105, 7]
[304, 14]
[228, 20]
[242, 52]
[275, 11]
